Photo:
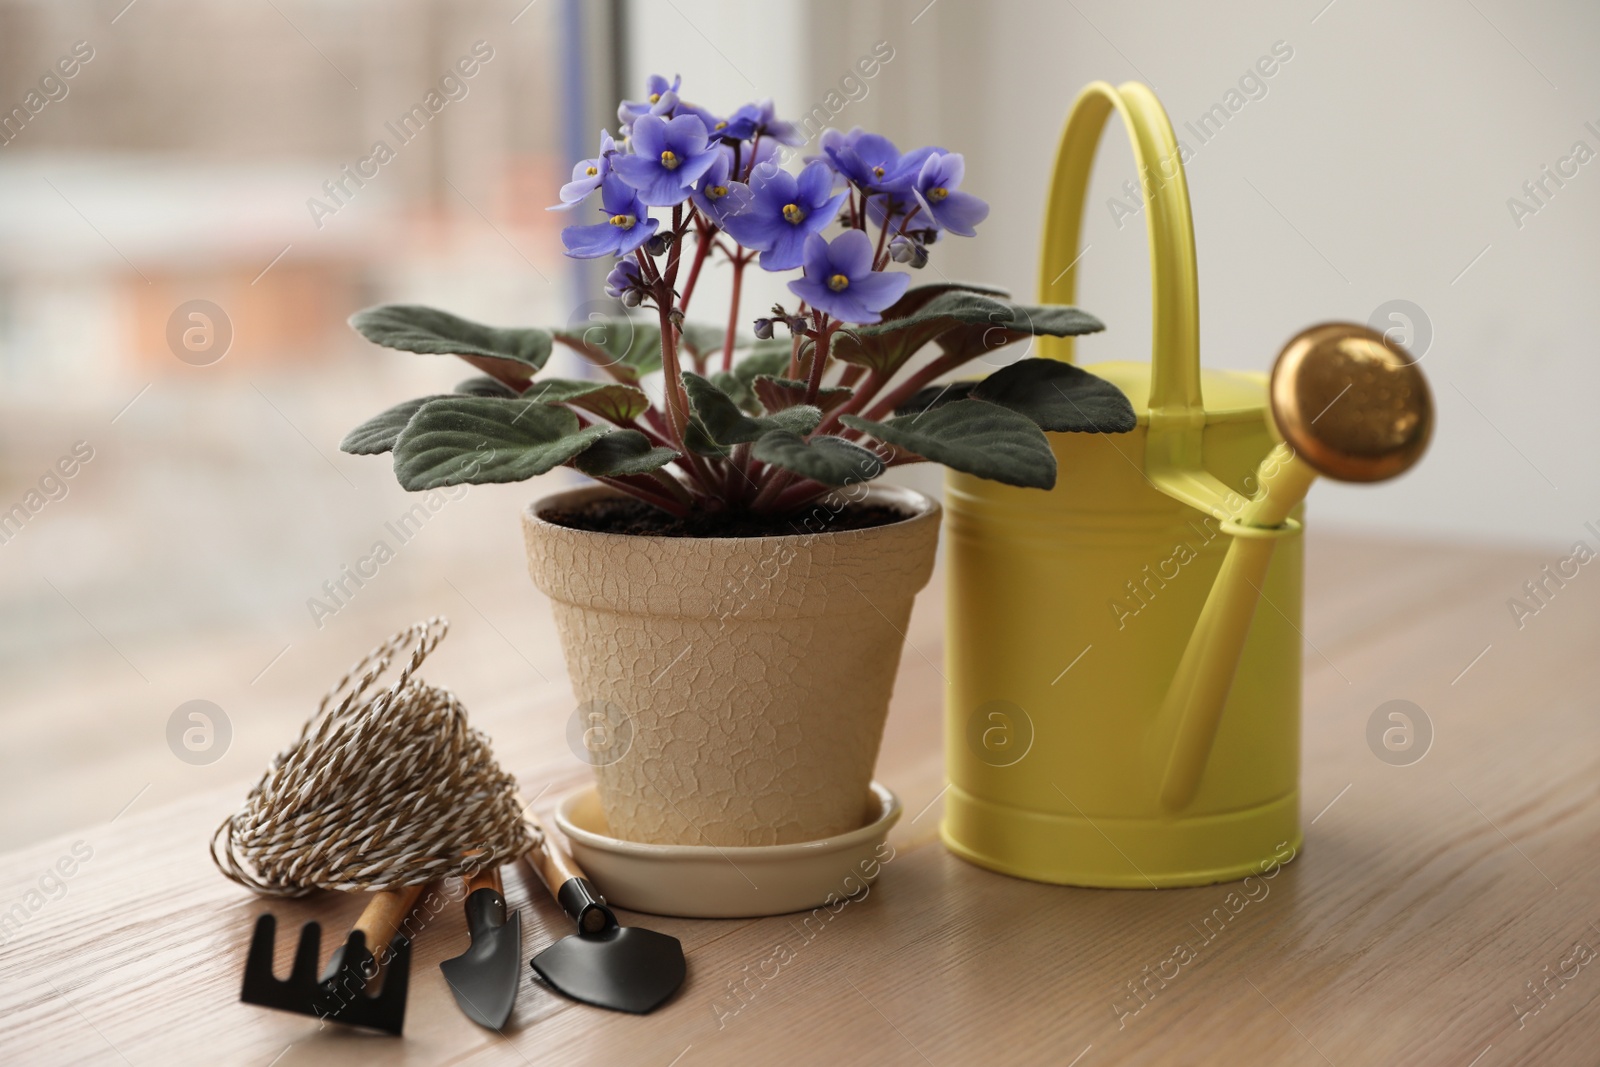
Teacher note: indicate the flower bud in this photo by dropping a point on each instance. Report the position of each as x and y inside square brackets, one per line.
[658, 244]
[763, 329]
[632, 298]
[903, 249]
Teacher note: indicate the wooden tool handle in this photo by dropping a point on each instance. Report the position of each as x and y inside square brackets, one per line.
[568, 884]
[554, 865]
[485, 878]
[384, 914]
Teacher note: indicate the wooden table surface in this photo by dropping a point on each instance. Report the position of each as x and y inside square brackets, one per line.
[1428, 904]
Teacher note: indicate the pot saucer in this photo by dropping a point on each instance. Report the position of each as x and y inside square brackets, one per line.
[726, 882]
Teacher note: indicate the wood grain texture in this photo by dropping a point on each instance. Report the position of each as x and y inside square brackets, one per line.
[1428, 902]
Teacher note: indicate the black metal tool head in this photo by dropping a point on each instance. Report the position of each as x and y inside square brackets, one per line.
[340, 994]
[624, 968]
[485, 978]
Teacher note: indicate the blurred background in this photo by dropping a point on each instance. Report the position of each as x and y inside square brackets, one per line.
[1428, 168]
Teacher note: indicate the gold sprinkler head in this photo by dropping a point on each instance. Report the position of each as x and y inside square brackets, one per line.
[1351, 403]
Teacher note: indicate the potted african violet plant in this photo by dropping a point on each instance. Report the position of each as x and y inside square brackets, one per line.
[732, 595]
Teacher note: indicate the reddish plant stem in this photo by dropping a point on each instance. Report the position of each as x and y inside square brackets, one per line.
[673, 486]
[733, 312]
[792, 372]
[626, 484]
[702, 248]
[819, 355]
[676, 252]
[883, 234]
[908, 388]
[858, 400]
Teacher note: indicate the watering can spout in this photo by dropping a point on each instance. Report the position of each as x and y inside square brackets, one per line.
[1348, 404]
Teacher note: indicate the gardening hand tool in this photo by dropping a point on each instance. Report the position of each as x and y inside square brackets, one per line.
[340, 993]
[1351, 406]
[1118, 713]
[625, 968]
[484, 978]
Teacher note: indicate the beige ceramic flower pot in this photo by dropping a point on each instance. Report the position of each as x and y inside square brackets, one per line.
[744, 681]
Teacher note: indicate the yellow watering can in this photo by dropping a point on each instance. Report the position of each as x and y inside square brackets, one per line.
[1119, 712]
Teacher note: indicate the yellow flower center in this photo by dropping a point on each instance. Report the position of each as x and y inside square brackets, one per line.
[877, 172]
[721, 125]
[591, 171]
[623, 222]
[938, 193]
[716, 192]
[838, 282]
[669, 159]
[793, 215]
[655, 98]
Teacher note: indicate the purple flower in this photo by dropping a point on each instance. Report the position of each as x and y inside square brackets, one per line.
[839, 279]
[669, 156]
[872, 162]
[744, 124]
[587, 176]
[783, 212]
[628, 227]
[936, 191]
[714, 125]
[717, 195]
[662, 98]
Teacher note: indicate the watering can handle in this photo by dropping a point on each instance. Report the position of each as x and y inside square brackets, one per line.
[1175, 296]
[1173, 457]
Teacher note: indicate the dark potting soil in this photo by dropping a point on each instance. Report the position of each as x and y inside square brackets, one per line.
[625, 515]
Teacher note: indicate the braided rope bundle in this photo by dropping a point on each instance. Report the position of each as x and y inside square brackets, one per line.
[383, 788]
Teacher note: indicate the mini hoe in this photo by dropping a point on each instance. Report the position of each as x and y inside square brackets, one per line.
[624, 968]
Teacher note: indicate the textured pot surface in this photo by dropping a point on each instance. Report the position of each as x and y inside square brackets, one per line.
[744, 681]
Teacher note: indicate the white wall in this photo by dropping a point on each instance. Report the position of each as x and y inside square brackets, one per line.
[1376, 167]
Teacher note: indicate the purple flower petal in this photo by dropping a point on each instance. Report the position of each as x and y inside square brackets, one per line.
[850, 253]
[959, 213]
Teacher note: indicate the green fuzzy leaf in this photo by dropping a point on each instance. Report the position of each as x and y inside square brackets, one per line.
[624, 347]
[915, 297]
[509, 355]
[612, 401]
[378, 434]
[974, 324]
[971, 340]
[737, 391]
[484, 387]
[934, 396]
[973, 436]
[718, 422]
[622, 452]
[1059, 397]
[486, 439]
[776, 394]
[829, 460]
